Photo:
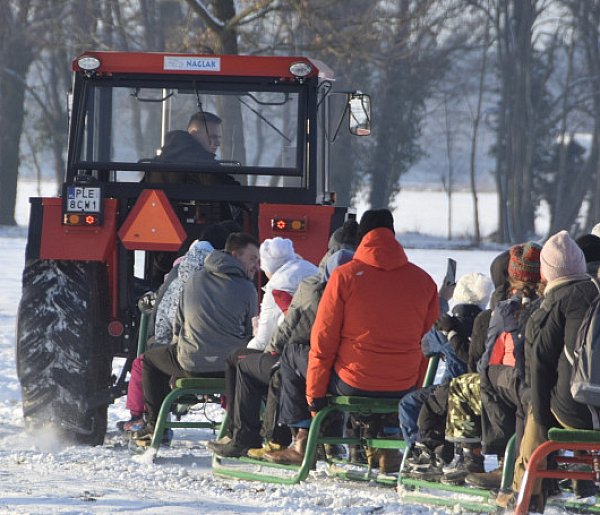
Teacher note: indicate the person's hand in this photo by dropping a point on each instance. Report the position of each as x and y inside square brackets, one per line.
[317, 404]
[447, 291]
[447, 323]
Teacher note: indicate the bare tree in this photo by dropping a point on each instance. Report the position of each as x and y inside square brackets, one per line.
[411, 62]
[475, 131]
[224, 22]
[16, 55]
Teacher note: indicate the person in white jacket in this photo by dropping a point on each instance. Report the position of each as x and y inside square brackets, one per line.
[285, 270]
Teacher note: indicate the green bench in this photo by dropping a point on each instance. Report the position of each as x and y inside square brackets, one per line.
[184, 388]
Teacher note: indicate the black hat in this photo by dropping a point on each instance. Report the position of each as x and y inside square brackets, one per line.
[215, 234]
[590, 245]
[373, 219]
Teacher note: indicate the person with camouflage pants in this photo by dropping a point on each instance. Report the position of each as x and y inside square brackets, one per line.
[463, 428]
[463, 422]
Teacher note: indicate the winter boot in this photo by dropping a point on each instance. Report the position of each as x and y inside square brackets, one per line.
[259, 454]
[489, 480]
[390, 461]
[423, 463]
[135, 423]
[294, 454]
[228, 450]
[506, 499]
[372, 455]
[357, 455]
[465, 462]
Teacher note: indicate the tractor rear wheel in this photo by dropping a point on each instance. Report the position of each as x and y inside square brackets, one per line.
[63, 351]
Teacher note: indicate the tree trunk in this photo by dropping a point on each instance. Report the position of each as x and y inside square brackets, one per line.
[15, 59]
[517, 134]
[475, 134]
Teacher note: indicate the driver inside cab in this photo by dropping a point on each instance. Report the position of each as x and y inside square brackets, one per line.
[197, 145]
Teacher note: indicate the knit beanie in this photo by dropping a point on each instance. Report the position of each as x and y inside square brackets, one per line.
[473, 288]
[336, 259]
[561, 257]
[590, 245]
[274, 253]
[524, 262]
[373, 219]
[215, 234]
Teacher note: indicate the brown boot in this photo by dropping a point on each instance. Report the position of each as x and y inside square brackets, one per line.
[373, 454]
[294, 454]
[390, 461]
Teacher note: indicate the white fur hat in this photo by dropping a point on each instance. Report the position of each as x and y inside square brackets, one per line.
[473, 288]
[274, 253]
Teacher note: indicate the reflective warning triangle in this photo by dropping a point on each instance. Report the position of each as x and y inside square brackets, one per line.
[152, 224]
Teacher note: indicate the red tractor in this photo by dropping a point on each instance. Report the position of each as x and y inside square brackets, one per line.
[129, 206]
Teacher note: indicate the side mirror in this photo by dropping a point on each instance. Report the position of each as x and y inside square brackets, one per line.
[360, 114]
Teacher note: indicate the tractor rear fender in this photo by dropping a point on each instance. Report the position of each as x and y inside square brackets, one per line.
[50, 239]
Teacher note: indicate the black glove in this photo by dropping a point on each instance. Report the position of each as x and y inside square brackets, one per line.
[318, 404]
[447, 323]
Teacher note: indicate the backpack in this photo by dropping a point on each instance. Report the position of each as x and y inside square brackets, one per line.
[585, 361]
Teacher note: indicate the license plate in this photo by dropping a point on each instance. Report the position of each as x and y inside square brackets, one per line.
[82, 205]
[83, 199]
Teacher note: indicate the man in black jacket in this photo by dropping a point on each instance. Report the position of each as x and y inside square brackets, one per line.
[198, 144]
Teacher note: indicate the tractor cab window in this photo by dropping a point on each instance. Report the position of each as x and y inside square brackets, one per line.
[254, 134]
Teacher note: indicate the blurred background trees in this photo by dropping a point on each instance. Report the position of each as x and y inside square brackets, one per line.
[470, 94]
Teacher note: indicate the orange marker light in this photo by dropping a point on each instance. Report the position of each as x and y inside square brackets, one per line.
[283, 224]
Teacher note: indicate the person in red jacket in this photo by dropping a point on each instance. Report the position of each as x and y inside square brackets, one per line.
[366, 339]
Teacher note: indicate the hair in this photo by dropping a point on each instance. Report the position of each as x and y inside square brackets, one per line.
[528, 290]
[237, 241]
[349, 234]
[201, 117]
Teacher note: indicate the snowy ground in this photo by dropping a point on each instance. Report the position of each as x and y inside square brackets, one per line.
[40, 477]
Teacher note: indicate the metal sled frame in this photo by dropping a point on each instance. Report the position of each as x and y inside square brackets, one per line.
[185, 387]
[562, 440]
[230, 467]
[482, 500]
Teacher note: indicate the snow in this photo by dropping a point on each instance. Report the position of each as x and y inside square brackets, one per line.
[40, 476]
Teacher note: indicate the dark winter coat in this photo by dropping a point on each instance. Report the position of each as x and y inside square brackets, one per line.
[460, 337]
[478, 338]
[565, 304]
[215, 314]
[181, 147]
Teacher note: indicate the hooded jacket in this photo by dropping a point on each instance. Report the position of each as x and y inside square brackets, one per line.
[193, 261]
[286, 279]
[372, 316]
[215, 313]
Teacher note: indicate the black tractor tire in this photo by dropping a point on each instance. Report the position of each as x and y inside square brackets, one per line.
[63, 350]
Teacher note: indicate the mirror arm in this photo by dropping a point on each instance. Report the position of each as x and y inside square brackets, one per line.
[339, 124]
[325, 87]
